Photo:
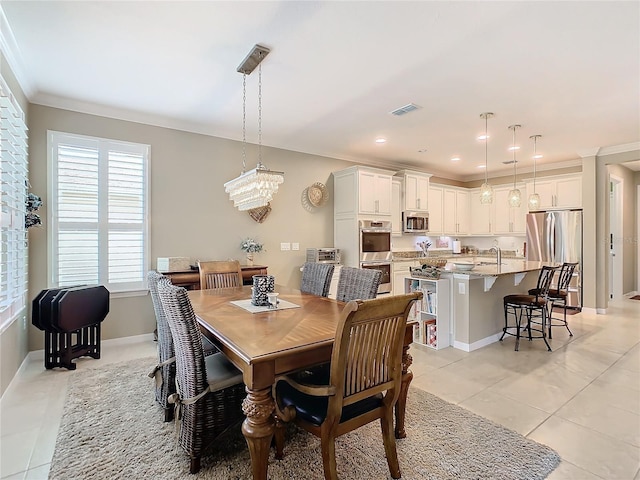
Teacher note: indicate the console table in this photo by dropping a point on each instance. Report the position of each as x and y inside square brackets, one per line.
[190, 279]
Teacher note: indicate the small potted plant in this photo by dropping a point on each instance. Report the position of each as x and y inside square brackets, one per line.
[250, 246]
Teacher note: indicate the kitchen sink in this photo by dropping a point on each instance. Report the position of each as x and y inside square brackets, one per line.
[488, 263]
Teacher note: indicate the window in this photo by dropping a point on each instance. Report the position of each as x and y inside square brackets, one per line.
[98, 212]
[13, 236]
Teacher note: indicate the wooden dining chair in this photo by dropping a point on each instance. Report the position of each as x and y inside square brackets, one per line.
[358, 284]
[364, 380]
[316, 278]
[209, 390]
[220, 274]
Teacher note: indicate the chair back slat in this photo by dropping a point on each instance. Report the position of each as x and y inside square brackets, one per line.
[544, 281]
[220, 274]
[564, 277]
[367, 353]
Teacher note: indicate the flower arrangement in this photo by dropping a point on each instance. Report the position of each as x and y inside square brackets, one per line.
[249, 245]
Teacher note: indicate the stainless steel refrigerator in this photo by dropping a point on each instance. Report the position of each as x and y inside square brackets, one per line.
[556, 236]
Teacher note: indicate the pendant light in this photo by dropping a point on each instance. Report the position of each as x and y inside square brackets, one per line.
[256, 187]
[534, 198]
[514, 195]
[486, 190]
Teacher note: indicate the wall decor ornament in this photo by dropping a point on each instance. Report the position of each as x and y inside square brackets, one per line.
[261, 213]
[314, 196]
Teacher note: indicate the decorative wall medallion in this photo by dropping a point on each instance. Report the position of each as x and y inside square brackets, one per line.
[260, 213]
[314, 196]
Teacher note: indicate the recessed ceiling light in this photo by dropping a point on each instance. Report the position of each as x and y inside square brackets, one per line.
[484, 137]
[511, 149]
[539, 155]
[481, 166]
[422, 150]
[381, 140]
[455, 159]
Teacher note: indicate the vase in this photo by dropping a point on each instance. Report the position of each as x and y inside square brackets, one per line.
[250, 259]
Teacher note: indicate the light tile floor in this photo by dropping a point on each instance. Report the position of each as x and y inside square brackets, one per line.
[582, 399]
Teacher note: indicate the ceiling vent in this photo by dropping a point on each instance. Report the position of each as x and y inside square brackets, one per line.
[510, 162]
[404, 110]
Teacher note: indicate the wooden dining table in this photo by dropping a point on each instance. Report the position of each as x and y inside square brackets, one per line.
[275, 342]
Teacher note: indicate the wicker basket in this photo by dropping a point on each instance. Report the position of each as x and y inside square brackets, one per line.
[434, 262]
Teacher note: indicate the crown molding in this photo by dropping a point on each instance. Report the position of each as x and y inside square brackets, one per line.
[626, 147]
[10, 50]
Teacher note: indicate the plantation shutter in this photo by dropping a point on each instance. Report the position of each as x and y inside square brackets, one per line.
[13, 236]
[99, 212]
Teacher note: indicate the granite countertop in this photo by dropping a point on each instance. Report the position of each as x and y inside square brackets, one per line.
[449, 255]
[508, 267]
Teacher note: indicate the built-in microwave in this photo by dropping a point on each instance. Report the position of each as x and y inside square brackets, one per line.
[415, 222]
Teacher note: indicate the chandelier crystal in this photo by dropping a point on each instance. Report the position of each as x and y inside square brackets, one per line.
[486, 190]
[255, 188]
[514, 194]
[534, 198]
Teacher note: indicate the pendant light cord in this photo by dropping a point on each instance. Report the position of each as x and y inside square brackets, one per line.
[260, 115]
[514, 157]
[486, 147]
[244, 123]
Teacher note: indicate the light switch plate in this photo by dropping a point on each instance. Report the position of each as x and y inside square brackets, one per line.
[285, 246]
[295, 246]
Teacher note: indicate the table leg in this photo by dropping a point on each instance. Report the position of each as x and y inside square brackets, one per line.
[401, 404]
[258, 429]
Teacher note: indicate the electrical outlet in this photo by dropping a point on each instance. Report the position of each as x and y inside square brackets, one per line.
[285, 246]
[295, 246]
[461, 289]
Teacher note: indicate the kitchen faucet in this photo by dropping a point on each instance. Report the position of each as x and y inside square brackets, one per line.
[498, 254]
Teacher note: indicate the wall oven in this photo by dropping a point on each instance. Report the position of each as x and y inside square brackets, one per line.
[375, 250]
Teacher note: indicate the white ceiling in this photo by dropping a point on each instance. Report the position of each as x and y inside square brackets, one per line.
[567, 70]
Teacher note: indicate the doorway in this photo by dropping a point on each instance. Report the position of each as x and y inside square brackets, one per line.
[616, 260]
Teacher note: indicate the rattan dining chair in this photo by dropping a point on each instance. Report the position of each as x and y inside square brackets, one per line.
[316, 278]
[358, 284]
[364, 380]
[209, 395]
[220, 274]
[164, 372]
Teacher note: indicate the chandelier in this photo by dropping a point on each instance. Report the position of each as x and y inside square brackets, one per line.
[534, 198]
[486, 190]
[514, 195]
[255, 188]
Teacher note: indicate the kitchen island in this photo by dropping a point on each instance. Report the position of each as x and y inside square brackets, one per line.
[476, 298]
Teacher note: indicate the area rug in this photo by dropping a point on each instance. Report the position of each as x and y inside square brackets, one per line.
[635, 297]
[112, 428]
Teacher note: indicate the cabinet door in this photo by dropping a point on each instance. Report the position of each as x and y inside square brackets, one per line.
[383, 194]
[481, 214]
[416, 193]
[462, 211]
[569, 192]
[396, 217]
[435, 210]
[502, 221]
[547, 191]
[367, 192]
[449, 224]
[519, 214]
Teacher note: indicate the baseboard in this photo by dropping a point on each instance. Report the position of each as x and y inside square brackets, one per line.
[470, 347]
[39, 354]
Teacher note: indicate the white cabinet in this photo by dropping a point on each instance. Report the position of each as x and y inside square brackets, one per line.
[481, 214]
[374, 191]
[455, 211]
[362, 191]
[415, 195]
[432, 313]
[562, 191]
[401, 270]
[436, 225]
[396, 210]
[508, 219]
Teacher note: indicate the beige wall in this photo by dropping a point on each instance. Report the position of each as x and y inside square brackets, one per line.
[191, 215]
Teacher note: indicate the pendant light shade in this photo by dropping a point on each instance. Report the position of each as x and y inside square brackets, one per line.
[514, 194]
[486, 190]
[534, 198]
[255, 188]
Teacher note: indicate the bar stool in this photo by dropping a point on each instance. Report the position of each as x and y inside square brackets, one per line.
[558, 296]
[534, 306]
